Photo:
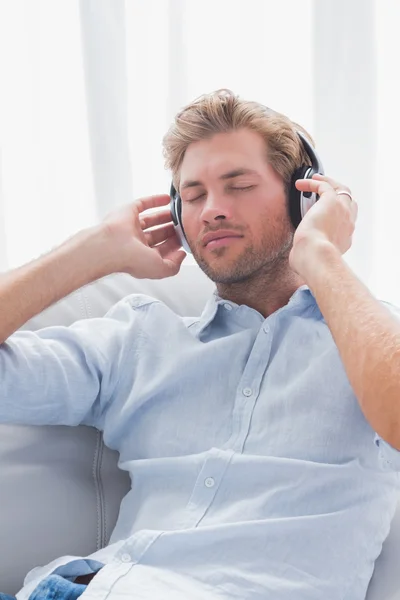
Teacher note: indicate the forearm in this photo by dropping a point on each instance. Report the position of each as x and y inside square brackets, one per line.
[367, 336]
[27, 290]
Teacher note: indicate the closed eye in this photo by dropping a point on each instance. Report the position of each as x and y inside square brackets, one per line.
[248, 187]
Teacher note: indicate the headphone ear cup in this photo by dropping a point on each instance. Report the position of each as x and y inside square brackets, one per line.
[295, 196]
[176, 210]
[172, 206]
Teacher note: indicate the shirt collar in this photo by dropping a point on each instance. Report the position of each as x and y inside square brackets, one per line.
[303, 295]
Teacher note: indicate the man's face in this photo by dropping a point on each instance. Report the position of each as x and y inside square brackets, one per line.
[251, 205]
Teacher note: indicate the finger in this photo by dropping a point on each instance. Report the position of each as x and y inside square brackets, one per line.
[320, 186]
[152, 202]
[314, 185]
[174, 260]
[156, 218]
[156, 236]
[168, 247]
[173, 263]
[333, 182]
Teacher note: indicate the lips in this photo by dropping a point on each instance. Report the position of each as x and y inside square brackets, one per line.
[217, 235]
[224, 241]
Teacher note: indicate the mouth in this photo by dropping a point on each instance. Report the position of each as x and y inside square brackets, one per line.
[223, 241]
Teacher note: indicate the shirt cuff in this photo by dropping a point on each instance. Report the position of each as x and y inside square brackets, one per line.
[390, 457]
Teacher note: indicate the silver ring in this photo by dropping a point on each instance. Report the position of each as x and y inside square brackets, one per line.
[344, 193]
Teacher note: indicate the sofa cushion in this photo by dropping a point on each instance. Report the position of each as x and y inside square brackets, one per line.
[60, 494]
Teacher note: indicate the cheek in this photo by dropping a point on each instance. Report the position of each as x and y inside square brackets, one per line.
[266, 225]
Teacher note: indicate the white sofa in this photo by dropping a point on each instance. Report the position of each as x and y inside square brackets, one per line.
[60, 487]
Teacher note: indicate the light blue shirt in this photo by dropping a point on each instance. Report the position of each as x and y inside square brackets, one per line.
[255, 474]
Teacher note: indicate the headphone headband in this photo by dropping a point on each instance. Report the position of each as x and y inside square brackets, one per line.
[316, 163]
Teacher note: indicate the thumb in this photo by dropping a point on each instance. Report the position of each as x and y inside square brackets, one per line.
[174, 260]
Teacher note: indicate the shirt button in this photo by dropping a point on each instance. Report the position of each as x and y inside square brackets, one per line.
[247, 391]
[209, 482]
[228, 306]
[125, 557]
[266, 328]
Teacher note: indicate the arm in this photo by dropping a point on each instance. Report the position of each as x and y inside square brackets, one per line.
[367, 336]
[366, 333]
[65, 375]
[119, 244]
[28, 290]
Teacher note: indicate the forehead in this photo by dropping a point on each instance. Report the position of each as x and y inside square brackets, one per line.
[222, 152]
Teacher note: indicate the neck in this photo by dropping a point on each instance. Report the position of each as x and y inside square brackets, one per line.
[264, 293]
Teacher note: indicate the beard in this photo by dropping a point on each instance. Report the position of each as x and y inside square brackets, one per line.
[266, 259]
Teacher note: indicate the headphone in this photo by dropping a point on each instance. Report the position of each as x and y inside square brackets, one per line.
[299, 202]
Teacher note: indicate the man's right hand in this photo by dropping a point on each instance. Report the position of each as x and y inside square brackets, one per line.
[124, 242]
[131, 245]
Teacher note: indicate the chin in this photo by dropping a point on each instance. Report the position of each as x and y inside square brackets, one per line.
[230, 268]
[225, 272]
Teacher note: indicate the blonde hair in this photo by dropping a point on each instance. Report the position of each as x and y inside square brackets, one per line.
[222, 111]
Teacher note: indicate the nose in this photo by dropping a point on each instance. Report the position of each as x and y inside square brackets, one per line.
[216, 207]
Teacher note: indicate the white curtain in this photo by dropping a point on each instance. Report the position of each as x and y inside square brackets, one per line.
[89, 87]
[46, 177]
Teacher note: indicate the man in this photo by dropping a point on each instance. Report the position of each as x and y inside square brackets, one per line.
[263, 437]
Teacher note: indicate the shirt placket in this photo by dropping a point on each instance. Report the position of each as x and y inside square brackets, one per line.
[249, 387]
[207, 484]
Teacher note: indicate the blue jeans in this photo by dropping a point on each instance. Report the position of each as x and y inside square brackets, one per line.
[53, 587]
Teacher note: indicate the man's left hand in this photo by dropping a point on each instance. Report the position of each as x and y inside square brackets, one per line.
[330, 222]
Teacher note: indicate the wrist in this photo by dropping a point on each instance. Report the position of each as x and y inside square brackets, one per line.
[84, 256]
[312, 256]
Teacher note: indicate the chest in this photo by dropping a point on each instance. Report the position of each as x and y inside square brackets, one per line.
[250, 391]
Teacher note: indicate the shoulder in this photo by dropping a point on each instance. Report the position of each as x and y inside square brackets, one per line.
[140, 306]
[138, 301]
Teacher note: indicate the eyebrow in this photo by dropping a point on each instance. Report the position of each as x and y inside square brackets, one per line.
[229, 175]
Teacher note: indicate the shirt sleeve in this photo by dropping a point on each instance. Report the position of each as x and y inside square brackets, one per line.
[389, 456]
[65, 375]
